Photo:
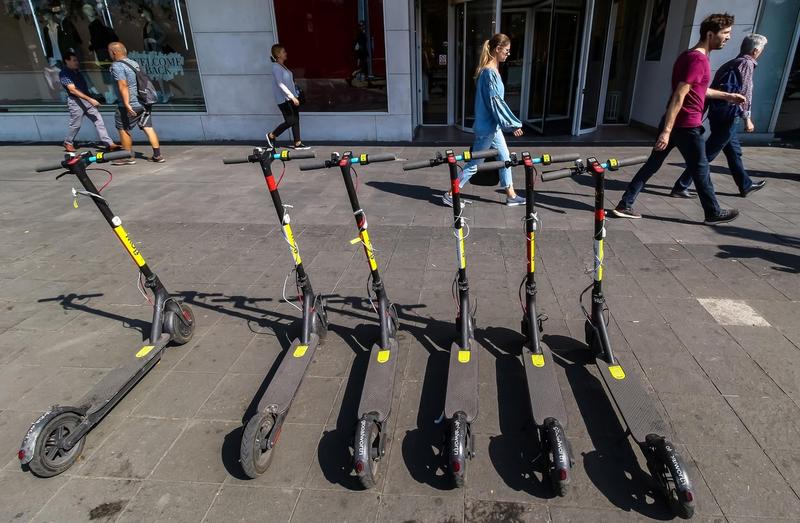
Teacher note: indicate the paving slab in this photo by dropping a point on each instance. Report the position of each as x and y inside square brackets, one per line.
[170, 449]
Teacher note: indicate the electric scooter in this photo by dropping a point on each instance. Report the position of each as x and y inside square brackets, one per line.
[461, 398]
[263, 430]
[376, 396]
[645, 424]
[57, 437]
[546, 401]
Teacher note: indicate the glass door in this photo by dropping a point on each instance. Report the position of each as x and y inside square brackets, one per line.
[514, 23]
[593, 64]
[475, 23]
[433, 44]
[556, 26]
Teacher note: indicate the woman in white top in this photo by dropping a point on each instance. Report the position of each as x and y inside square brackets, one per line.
[285, 96]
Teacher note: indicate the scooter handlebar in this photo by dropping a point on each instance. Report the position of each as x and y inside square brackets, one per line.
[228, 161]
[53, 167]
[564, 157]
[315, 165]
[488, 153]
[556, 175]
[421, 164]
[382, 157]
[627, 161]
[110, 157]
[490, 166]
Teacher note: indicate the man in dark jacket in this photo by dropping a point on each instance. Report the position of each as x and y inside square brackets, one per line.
[734, 76]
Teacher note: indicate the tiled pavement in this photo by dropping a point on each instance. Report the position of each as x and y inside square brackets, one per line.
[169, 450]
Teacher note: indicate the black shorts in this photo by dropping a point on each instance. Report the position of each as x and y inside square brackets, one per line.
[123, 120]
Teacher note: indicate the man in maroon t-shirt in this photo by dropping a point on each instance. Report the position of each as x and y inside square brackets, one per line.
[681, 125]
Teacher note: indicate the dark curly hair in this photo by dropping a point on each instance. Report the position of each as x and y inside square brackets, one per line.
[715, 23]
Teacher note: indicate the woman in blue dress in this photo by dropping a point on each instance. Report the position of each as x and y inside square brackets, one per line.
[492, 116]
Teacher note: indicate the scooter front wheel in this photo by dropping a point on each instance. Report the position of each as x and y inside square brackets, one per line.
[49, 456]
[460, 448]
[255, 453]
[180, 325]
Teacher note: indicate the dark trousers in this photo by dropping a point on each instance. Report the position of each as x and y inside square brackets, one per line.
[723, 138]
[690, 143]
[291, 118]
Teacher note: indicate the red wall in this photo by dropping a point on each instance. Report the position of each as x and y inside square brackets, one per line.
[319, 36]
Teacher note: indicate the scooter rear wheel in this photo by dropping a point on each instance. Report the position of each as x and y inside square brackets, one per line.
[367, 469]
[254, 454]
[662, 465]
[181, 329]
[459, 441]
[49, 459]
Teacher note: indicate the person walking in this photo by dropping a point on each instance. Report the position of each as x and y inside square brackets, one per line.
[492, 117]
[735, 76]
[130, 112]
[81, 104]
[286, 96]
[681, 124]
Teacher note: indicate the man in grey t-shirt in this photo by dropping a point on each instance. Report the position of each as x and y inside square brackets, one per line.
[130, 113]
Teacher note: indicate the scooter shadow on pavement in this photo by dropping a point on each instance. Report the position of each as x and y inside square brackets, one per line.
[335, 447]
[281, 325]
[73, 301]
[516, 452]
[422, 446]
[613, 466]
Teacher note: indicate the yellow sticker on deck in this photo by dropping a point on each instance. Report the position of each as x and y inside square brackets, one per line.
[300, 351]
[616, 372]
[383, 355]
[144, 351]
[537, 360]
[463, 356]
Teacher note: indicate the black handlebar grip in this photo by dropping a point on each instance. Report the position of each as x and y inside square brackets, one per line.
[564, 157]
[110, 157]
[53, 167]
[627, 161]
[488, 153]
[490, 166]
[382, 157]
[301, 155]
[314, 165]
[421, 164]
[228, 161]
[556, 175]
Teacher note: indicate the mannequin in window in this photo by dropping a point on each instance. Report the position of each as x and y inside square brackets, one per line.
[100, 35]
[154, 36]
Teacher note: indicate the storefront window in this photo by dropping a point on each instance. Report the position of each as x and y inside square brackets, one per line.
[336, 52]
[35, 35]
[778, 22]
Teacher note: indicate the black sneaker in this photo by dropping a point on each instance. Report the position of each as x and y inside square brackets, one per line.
[625, 212]
[681, 194]
[724, 215]
[270, 145]
[300, 147]
[757, 186]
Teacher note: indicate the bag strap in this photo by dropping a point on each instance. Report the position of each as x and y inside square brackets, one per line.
[131, 67]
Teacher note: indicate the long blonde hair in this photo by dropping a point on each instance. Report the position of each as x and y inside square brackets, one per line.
[497, 40]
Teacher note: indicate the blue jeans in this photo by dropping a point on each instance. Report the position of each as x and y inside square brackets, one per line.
[690, 143]
[481, 143]
[723, 138]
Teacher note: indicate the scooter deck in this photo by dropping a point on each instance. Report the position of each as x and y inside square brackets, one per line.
[376, 395]
[462, 382]
[632, 400]
[545, 393]
[283, 387]
[120, 380]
